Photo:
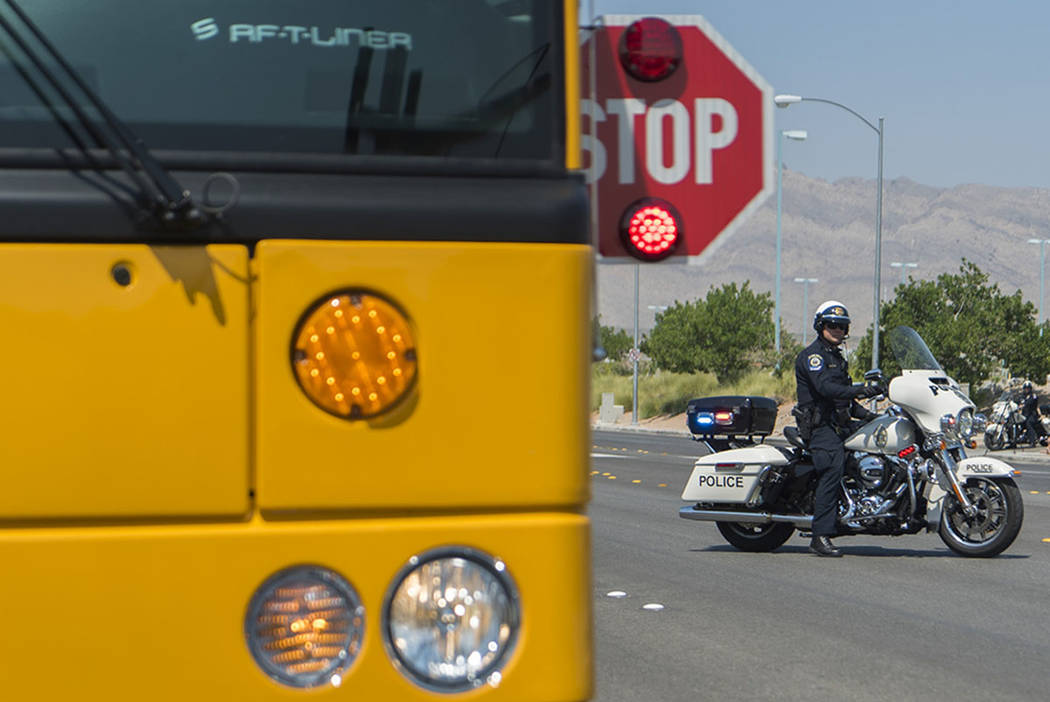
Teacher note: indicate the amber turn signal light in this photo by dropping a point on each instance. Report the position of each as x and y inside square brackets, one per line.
[354, 355]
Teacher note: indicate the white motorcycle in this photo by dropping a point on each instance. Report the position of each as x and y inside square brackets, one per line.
[906, 470]
[1006, 426]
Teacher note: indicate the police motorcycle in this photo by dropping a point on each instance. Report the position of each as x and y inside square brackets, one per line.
[1006, 426]
[906, 470]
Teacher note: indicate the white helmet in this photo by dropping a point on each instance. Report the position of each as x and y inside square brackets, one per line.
[830, 311]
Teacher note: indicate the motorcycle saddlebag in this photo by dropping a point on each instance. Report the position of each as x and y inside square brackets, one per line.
[731, 415]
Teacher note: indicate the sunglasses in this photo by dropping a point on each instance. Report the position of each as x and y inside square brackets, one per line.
[836, 325]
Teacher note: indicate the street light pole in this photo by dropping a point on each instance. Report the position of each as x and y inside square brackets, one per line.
[785, 101]
[805, 302]
[798, 135]
[903, 266]
[1042, 272]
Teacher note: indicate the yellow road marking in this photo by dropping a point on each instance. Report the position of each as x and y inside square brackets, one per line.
[612, 477]
[1033, 492]
[662, 485]
[1046, 541]
[636, 481]
[594, 472]
[606, 474]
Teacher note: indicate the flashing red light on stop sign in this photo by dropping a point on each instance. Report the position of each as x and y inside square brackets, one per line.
[650, 49]
[678, 115]
[650, 229]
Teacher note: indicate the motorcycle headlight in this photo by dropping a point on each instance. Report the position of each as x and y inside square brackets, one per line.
[965, 423]
[451, 618]
[980, 423]
[949, 426]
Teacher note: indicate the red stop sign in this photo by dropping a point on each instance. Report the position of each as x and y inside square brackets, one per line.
[700, 139]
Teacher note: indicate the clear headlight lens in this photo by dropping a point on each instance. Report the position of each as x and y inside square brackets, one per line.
[980, 423]
[451, 619]
[965, 423]
[304, 626]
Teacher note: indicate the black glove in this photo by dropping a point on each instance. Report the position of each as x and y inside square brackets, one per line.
[867, 391]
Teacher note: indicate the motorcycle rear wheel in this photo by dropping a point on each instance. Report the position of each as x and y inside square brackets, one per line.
[1000, 512]
[755, 538]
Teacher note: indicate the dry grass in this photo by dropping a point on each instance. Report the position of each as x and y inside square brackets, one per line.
[662, 393]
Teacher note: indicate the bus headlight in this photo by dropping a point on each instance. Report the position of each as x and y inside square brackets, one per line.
[354, 354]
[452, 616]
[304, 626]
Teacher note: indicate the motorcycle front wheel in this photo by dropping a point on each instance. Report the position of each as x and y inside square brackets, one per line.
[997, 523]
[993, 440]
[755, 538]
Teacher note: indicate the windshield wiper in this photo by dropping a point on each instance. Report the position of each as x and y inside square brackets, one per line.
[167, 202]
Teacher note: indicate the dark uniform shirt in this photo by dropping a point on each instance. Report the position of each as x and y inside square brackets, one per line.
[1029, 408]
[822, 379]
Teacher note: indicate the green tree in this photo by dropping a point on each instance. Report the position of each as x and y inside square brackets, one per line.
[725, 333]
[969, 325]
[616, 342]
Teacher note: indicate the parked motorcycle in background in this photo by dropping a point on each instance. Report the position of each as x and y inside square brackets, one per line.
[906, 470]
[1005, 424]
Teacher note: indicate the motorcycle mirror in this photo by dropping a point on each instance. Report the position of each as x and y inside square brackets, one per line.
[873, 375]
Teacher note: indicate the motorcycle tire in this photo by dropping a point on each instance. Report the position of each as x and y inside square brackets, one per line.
[993, 440]
[1000, 513]
[756, 538]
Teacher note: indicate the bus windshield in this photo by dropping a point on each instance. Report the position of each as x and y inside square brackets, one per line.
[456, 78]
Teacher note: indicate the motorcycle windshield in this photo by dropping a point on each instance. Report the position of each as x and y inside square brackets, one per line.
[911, 351]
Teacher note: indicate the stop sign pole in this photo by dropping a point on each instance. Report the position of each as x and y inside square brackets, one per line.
[700, 139]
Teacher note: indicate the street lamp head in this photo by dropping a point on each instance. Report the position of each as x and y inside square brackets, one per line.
[796, 134]
[785, 100]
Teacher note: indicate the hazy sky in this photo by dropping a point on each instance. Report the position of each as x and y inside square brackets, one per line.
[964, 85]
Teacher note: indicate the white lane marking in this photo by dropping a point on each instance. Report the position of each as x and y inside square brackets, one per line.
[653, 606]
[616, 593]
[691, 459]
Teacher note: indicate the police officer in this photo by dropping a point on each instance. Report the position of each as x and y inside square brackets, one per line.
[826, 400]
[1032, 421]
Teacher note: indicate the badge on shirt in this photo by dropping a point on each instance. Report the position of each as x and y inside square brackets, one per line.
[816, 362]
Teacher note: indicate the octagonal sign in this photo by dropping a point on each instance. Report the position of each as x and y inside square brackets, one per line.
[701, 139]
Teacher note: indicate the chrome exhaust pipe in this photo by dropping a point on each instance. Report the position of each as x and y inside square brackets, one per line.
[800, 521]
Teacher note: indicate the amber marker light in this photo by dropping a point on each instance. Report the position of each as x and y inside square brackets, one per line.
[354, 355]
[304, 626]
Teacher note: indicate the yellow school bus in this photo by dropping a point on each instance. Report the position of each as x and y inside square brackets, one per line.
[295, 302]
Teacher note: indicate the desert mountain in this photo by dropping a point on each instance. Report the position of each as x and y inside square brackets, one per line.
[828, 233]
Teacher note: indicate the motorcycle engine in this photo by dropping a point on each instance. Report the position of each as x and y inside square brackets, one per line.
[868, 477]
[871, 470]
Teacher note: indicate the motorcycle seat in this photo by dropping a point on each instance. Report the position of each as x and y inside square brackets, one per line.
[794, 438]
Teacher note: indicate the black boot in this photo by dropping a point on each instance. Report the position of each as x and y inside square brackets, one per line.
[822, 546]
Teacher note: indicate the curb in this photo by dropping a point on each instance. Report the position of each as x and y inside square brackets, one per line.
[1028, 455]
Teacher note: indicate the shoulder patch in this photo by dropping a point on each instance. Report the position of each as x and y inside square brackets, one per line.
[816, 362]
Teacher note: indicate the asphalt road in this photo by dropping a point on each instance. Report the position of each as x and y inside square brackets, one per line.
[895, 619]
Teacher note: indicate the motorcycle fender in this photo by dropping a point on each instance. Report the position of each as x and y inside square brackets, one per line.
[934, 504]
[730, 476]
[982, 467]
